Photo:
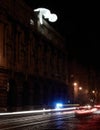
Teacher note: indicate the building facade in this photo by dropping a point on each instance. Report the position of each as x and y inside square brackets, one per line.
[33, 60]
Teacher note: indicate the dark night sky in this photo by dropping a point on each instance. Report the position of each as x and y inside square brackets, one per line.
[78, 23]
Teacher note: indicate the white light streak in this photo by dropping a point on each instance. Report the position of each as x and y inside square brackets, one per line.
[37, 111]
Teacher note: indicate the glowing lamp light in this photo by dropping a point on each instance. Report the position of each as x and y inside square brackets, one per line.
[93, 91]
[46, 14]
[75, 84]
[80, 88]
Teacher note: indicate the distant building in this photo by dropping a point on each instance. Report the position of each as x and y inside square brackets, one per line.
[84, 82]
[78, 78]
[33, 60]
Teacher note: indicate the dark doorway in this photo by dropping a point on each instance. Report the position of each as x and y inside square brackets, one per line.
[25, 94]
[12, 95]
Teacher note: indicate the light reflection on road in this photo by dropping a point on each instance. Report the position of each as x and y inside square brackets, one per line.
[59, 120]
[85, 123]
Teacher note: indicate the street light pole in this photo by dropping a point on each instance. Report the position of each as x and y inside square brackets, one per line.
[75, 91]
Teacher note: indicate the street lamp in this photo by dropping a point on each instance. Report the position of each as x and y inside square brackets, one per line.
[75, 91]
[75, 84]
[80, 88]
[93, 91]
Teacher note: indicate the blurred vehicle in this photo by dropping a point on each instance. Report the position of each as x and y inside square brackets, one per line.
[97, 106]
[84, 111]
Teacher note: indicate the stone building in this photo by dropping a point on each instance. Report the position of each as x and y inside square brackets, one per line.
[33, 60]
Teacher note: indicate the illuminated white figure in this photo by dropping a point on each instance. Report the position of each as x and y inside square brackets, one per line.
[43, 12]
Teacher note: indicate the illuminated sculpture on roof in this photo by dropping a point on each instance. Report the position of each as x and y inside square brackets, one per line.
[46, 14]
